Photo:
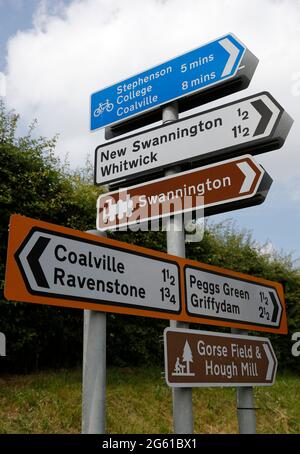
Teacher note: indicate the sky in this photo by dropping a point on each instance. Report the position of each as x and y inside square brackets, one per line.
[54, 54]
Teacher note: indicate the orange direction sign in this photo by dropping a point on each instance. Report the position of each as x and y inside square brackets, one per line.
[49, 264]
[217, 188]
[201, 358]
[55, 265]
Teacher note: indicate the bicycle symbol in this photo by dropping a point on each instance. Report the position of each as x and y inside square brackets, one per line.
[108, 106]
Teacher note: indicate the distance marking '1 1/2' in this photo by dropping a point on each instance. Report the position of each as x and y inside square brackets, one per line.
[166, 291]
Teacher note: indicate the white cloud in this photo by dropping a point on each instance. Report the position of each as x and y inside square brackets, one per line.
[72, 51]
[2, 85]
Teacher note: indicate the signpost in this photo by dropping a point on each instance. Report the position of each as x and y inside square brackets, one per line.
[223, 60]
[200, 358]
[49, 264]
[256, 124]
[217, 188]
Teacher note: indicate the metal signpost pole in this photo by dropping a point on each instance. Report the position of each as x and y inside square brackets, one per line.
[245, 403]
[182, 397]
[94, 369]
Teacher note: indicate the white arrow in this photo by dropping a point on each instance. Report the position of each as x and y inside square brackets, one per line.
[249, 176]
[233, 54]
[271, 361]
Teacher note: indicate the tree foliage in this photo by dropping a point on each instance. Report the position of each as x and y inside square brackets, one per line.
[35, 183]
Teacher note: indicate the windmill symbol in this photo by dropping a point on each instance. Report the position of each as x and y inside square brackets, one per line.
[187, 357]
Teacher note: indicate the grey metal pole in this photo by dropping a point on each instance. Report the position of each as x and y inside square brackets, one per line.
[182, 397]
[94, 369]
[245, 403]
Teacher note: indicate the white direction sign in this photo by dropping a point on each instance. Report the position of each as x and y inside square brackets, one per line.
[218, 296]
[61, 266]
[257, 123]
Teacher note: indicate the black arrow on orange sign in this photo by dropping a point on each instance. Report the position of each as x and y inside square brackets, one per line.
[33, 261]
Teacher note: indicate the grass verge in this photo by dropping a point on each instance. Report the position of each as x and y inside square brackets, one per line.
[138, 401]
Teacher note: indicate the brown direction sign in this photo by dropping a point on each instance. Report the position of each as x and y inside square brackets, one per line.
[201, 358]
[217, 188]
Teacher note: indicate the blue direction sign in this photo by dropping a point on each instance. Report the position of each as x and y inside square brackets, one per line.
[192, 72]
